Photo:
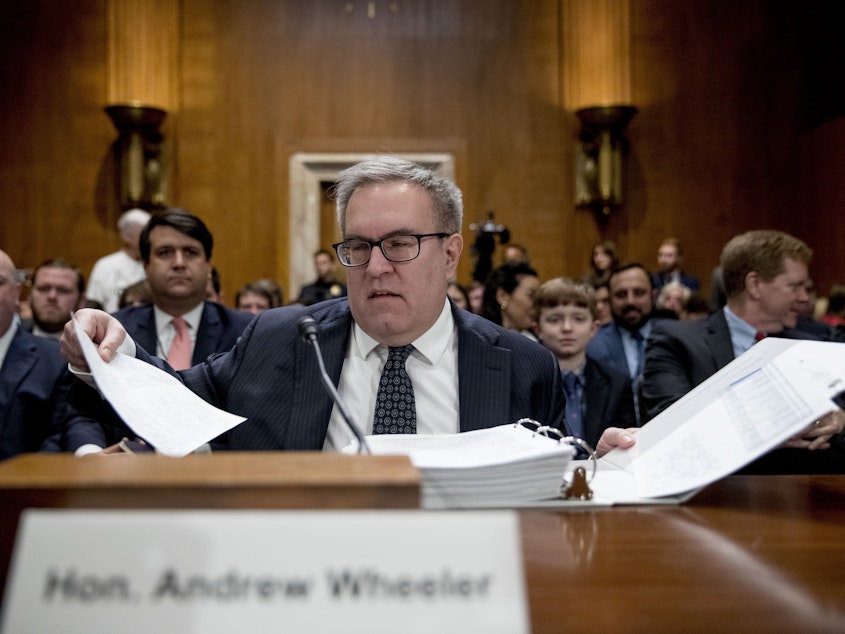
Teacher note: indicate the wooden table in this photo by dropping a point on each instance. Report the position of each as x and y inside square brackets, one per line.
[747, 554]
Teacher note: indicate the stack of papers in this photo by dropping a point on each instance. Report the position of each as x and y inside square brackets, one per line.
[503, 466]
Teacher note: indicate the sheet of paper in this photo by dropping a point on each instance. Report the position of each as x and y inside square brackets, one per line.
[155, 405]
[748, 408]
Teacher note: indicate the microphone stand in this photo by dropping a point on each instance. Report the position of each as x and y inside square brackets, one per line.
[308, 330]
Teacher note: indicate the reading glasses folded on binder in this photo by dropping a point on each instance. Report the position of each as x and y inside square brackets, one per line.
[397, 248]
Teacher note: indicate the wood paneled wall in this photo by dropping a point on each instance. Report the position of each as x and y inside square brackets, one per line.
[724, 139]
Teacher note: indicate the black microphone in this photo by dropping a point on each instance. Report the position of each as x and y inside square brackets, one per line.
[308, 331]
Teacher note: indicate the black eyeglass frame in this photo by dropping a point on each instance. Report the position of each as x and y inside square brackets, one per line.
[377, 243]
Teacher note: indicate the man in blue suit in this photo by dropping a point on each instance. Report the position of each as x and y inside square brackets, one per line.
[33, 378]
[401, 225]
[620, 345]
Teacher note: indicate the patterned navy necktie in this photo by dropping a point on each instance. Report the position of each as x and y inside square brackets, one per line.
[396, 411]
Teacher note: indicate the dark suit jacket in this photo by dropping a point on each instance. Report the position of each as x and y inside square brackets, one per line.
[690, 281]
[34, 382]
[682, 354]
[272, 377]
[609, 401]
[218, 331]
[606, 349]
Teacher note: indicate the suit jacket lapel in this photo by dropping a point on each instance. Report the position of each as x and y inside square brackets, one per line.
[20, 358]
[208, 334]
[484, 379]
[146, 334]
[311, 408]
[719, 340]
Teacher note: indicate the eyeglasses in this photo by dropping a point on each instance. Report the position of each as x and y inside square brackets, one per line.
[401, 248]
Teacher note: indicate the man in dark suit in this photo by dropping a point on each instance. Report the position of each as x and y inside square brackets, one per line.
[565, 319]
[765, 274]
[669, 256]
[457, 372]
[33, 378]
[176, 248]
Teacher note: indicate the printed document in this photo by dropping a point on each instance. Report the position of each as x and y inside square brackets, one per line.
[751, 406]
[155, 405]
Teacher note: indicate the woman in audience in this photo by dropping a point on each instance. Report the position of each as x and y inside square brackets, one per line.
[458, 294]
[603, 261]
[509, 297]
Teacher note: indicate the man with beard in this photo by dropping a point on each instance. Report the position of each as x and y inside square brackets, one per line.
[57, 290]
[620, 344]
[34, 380]
[765, 274]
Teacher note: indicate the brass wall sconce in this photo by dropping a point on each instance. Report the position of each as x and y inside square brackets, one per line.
[599, 157]
[139, 151]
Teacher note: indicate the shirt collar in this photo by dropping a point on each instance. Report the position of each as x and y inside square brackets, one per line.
[431, 345]
[578, 372]
[192, 317]
[742, 333]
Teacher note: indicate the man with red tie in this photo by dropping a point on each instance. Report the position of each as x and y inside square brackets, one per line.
[180, 326]
[765, 274]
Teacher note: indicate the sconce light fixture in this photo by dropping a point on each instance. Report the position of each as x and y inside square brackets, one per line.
[142, 178]
[599, 157]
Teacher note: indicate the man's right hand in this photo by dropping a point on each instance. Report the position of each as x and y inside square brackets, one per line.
[105, 331]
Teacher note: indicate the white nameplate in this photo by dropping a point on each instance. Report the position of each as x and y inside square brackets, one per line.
[266, 571]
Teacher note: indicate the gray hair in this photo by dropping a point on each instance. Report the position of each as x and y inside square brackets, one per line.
[131, 218]
[446, 198]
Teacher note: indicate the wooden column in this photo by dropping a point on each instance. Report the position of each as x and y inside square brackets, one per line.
[142, 52]
[597, 52]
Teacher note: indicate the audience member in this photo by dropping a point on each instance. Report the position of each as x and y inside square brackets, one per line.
[327, 285]
[620, 345]
[672, 301]
[596, 398]
[176, 249]
[765, 274]
[603, 260]
[253, 299]
[515, 253]
[180, 325]
[273, 289]
[34, 380]
[834, 314]
[717, 290]
[213, 292]
[476, 297]
[462, 372]
[509, 297]
[697, 308]
[806, 321]
[136, 294]
[58, 289]
[669, 256]
[458, 294]
[603, 314]
[114, 272]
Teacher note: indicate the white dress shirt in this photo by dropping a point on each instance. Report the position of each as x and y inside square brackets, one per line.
[432, 368]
